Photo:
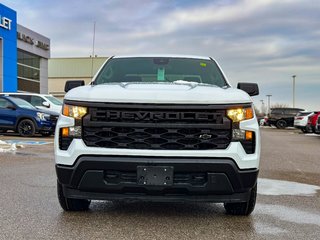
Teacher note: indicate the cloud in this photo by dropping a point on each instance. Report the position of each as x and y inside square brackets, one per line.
[265, 41]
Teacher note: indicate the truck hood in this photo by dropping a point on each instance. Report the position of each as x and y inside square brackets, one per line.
[176, 93]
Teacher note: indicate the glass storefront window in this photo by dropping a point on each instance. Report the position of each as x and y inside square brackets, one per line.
[27, 72]
[28, 59]
[28, 86]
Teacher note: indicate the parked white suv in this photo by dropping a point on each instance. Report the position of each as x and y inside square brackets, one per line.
[158, 128]
[41, 101]
[301, 121]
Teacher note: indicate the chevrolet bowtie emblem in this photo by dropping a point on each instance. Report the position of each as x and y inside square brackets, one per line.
[205, 136]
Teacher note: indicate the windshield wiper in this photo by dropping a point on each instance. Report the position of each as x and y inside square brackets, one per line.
[181, 81]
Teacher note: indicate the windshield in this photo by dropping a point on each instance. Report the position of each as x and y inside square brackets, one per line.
[22, 103]
[148, 69]
[54, 100]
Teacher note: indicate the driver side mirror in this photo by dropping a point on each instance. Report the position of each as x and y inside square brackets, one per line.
[251, 88]
[46, 104]
[73, 84]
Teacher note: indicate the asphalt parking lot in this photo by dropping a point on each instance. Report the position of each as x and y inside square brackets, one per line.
[288, 204]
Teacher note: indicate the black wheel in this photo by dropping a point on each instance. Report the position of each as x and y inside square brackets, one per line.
[281, 124]
[308, 129]
[46, 134]
[26, 128]
[243, 208]
[70, 204]
[304, 130]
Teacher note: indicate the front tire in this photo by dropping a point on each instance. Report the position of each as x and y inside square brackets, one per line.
[26, 128]
[281, 124]
[309, 129]
[71, 204]
[243, 208]
[305, 130]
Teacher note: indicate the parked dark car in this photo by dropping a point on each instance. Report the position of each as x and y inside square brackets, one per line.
[20, 116]
[283, 117]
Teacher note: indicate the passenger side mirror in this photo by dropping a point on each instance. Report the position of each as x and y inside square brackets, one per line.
[46, 104]
[73, 84]
[251, 88]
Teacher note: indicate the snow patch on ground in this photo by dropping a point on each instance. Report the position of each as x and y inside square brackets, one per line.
[8, 147]
[280, 187]
[312, 134]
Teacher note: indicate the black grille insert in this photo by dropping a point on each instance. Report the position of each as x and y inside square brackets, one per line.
[148, 127]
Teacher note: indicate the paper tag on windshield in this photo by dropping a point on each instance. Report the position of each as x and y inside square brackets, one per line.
[160, 76]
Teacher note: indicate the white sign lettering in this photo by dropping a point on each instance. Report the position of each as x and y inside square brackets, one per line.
[5, 23]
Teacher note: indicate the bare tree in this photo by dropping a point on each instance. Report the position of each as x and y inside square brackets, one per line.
[279, 105]
[258, 112]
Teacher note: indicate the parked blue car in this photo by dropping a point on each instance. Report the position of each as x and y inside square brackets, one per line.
[20, 116]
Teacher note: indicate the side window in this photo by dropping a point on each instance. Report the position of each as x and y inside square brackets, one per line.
[3, 103]
[36, 101]
[277, 111]
[24, 97]
[291, 112]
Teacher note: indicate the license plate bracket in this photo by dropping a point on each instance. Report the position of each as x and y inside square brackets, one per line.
[155, 175]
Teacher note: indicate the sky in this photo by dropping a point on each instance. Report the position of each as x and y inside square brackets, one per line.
[262, 41]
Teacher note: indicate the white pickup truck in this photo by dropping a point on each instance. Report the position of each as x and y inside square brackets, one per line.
[162, 128]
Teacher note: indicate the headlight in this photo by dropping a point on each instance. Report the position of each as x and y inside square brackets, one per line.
[240, 114]
[76, 112]
[245, 137]
[41, 116]
[68, 133]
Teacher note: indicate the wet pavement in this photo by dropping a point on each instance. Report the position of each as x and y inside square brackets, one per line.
[288, 204]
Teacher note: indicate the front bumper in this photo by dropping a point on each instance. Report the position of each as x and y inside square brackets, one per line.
[194, 179]
[234, 151]
[47, 126]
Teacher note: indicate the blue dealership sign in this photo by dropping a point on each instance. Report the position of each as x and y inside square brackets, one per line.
[8, 49]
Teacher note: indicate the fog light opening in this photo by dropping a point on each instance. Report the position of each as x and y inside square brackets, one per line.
[238, 134]
[75, 131]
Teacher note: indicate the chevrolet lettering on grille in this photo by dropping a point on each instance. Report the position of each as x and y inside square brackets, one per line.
[154, 116]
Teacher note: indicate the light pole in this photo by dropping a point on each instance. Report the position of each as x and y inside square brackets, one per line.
[93, 43]
[262, 107]
[268, 96]
[294, 90]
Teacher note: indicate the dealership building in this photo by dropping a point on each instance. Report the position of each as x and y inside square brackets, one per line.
[77, 68]
[24, 56]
